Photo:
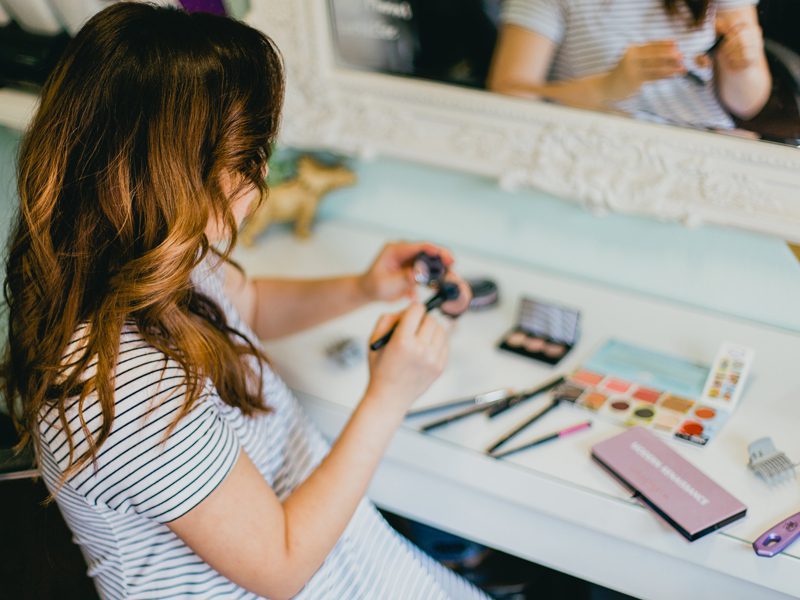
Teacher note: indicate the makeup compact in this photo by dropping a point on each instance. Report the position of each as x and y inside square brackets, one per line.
[484, 294]
[428, 269]
[545, 332]
[660, 478]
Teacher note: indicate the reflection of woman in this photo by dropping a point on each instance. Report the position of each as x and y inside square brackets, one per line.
[651, 58]
[183, 465]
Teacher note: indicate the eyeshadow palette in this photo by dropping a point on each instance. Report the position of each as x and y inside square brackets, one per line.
[545, 332]
[635, 386]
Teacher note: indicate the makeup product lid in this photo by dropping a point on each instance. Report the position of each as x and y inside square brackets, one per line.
[543, 319]
[649, 368]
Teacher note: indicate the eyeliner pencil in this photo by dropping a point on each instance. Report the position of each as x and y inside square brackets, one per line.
[523, 425]
[482, 399]
[547, 438]
[472, 410]
[715, 45]
[520, 397]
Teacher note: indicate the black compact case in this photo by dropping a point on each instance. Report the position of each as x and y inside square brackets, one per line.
[545, 332]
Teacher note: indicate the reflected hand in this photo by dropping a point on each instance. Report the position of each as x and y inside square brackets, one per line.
[643, 63]
[391, 276]
[743, 47]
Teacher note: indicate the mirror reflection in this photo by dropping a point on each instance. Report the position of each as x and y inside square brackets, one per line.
[728, 66]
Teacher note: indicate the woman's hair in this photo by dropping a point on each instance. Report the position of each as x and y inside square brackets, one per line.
[119, 174]
[697, 8]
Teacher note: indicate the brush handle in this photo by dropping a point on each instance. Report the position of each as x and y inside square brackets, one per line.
[515, 399]
[449, 291]
[528, 422]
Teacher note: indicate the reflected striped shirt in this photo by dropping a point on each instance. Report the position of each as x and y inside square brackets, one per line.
[592, 36]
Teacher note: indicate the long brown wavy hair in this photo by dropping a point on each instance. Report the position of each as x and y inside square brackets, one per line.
[698, 9]
[119, 175]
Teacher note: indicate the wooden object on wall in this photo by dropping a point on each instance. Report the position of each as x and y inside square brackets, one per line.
[297, 200]
[795, 248]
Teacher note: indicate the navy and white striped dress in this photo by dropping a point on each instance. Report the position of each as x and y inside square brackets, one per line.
[118, 511]
[592, 36]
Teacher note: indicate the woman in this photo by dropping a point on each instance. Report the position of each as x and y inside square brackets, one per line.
[181, 462]
[653, 59]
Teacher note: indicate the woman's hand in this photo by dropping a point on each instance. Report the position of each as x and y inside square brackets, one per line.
[643, 63]
[391, 275]
[742, 48]
[410, 362]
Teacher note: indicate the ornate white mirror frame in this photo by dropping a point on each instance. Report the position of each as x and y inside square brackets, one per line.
[604, 162]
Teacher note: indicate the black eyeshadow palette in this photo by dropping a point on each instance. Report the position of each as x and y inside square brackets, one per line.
[545, 332]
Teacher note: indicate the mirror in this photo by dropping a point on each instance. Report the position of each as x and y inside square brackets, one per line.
[715, 65]
[602, 161]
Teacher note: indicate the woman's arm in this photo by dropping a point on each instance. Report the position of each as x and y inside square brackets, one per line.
[523, 57]
[743, 79]
[273, 548]
[278, 307]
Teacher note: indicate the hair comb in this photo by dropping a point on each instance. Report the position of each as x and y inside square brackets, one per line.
[769, 463]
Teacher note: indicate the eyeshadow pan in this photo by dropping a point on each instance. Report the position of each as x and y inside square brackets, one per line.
[554, 350]
[620, 405]
[647, 395]
[705, 412]
[569, 392]
[666, 420]
[677, 403]
[587, 377]
[691, 428]
[594, 400]
[516, 339]
[617, 385]
[644, 412]
[534, 344]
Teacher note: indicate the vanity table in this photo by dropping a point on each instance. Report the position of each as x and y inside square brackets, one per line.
[551, 504]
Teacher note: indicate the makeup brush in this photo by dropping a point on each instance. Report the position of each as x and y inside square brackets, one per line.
[694, 76]
[513, 400]
[448, 291]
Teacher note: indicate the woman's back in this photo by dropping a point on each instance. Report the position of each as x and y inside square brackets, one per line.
[146, 474]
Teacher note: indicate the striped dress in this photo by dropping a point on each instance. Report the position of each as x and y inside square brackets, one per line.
[118, 509]
[592, 36]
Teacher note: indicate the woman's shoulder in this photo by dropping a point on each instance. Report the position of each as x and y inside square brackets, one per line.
[149, 392]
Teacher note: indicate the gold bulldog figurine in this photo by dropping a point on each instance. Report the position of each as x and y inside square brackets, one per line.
[297, 199]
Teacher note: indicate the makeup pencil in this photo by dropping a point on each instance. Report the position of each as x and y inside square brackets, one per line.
[515, 399]
[547, 438]
[472, 410]
[523, 425]
[481, 399]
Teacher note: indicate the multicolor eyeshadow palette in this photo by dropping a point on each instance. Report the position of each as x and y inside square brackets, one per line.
[634, 386]
[545, 332]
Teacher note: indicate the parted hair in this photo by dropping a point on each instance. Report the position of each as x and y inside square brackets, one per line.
[697, 8]
[119, 174]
